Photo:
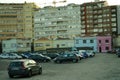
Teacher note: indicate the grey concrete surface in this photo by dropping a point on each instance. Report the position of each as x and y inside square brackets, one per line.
[101, 67]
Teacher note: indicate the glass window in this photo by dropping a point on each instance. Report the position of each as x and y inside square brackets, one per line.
[77, 41]
[99, 41]
[107, 48]
[106, 41]
[84, 41]
[91, 41]
[62, 44]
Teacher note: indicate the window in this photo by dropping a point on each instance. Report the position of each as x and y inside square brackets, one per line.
[28, 45]
[48, 44]
[62, 44]
[13, 45]
[77, 41]
[106, 41]
[4, 45]
[39, 45]
[99, 41]
[107, 48]
[91, 41]
[84, 41]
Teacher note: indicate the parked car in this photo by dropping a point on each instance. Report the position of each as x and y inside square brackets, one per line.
[14, 56]
[118, 53]
[66, 57]
[51, 55]
[83, 53]
[24, 67]
[40, 58]
[90, 53]
[26, 55]
[10, 56]
[78, 54]
[4, 56]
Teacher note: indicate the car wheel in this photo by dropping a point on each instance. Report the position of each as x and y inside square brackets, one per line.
[44, 60]
[58, 61]
[29, 73]
[74, 60]
[11, 76]
[40, 71]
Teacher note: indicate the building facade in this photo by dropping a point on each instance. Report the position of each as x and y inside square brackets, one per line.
[118, 19]
[86, 42]
[97, 18]
[16, 20]
[16, 45]
[104, 43]
[63, 43]
[42, 44]
[57, 22]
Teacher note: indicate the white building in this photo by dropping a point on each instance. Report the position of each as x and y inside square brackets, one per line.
[57, 22]
[16, 45]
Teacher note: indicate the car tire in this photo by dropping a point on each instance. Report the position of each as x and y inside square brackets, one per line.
[45, 60]
[75, 60]
[58, 61]
[29, 73]
[40, 71]
[11, 76]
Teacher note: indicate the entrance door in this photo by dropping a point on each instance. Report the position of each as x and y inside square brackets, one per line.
[58, 45]
[100, 49]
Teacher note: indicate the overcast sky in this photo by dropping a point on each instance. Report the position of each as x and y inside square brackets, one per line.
[49, 2]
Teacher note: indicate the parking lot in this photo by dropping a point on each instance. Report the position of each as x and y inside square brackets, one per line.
[100, 67]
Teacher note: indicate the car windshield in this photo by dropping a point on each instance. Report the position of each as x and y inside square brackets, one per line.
[16, 64]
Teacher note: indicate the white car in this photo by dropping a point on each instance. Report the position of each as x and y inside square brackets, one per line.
[90, 53]
[78, 54]
[10, 56]
[4, 56]
[14, 56]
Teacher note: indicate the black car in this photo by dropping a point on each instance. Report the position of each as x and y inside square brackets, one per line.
[51, 55]
[24, 67]
[40, 58]
[118, 53]
[66, 57]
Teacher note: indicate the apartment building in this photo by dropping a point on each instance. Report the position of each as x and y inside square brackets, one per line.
[97, 18]
[118, 19]
[16, 20]
[57, 22]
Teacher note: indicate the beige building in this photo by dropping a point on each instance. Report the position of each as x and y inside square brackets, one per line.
[42, 44]
[63, 43]
[16, 20]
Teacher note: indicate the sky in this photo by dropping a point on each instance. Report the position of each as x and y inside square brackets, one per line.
[49, 2]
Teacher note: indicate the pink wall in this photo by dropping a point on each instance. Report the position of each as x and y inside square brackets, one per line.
[104, 43]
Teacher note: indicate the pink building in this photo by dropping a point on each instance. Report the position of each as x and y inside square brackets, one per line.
[104, 43]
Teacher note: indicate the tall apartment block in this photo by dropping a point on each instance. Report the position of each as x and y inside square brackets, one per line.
[57, 22]
[16, 20]
[97, 18]
[118, 19]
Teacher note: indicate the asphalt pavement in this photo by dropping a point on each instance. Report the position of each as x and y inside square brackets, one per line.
[101, 67]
